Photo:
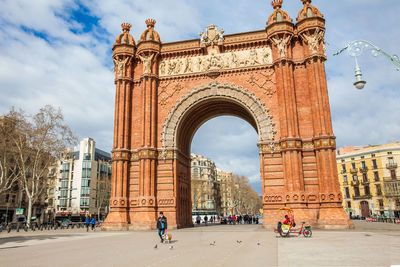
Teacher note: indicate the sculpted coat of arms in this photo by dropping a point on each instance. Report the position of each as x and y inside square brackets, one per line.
[212, 36]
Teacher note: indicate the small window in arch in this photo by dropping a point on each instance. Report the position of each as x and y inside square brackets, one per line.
[278, 17]
[309, 13]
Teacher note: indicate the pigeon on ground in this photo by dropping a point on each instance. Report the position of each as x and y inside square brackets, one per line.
[238, 241]
[155, 246]
[171, 247]
[258, 242]
[213, 243]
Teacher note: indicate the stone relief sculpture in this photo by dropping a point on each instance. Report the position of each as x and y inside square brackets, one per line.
[216, 61]
[146, 63]
[119, 65]
[313, 40]
[281, 45]
[211, 36]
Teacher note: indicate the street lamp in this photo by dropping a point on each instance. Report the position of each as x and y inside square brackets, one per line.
[356, 48]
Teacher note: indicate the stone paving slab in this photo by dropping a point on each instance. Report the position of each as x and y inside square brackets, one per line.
[370, 244]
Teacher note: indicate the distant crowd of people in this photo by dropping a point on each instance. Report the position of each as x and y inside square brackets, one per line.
[246, 219]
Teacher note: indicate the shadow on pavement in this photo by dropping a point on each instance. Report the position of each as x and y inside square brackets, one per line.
[22, 239]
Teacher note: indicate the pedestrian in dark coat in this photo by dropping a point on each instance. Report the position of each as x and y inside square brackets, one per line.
[162, 226]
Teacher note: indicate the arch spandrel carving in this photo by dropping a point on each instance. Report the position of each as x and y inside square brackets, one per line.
[236, 94]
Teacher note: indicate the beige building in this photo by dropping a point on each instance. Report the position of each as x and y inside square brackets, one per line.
[227, 186]
[205, 186]
[369, 179]
[82, 181]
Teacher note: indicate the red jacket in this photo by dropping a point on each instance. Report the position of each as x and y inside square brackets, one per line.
[287, 221]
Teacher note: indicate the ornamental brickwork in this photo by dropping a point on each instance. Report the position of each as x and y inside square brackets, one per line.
[273, 78]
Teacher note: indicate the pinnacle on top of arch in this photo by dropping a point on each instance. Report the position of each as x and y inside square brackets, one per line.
[306, 2]
[150, 22]
[278, 15]
[276, 3]
[150, 34]
[126, 26]
[308, 11]
[125, 37]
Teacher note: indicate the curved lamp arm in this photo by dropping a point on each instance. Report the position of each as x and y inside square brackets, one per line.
[356, 48]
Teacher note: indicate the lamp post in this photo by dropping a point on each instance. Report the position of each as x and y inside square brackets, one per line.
[356, 48]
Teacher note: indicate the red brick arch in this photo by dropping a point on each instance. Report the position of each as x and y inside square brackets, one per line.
[213, 100]
[274, 79]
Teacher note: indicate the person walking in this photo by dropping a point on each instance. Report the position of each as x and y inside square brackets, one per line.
[205, 220]
[198, 219]
[93, 223]
[162, 226]
[87, 220]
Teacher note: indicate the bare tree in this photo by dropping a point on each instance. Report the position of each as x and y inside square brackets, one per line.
[8, 169]
[103, 193]
[198, 188]
[38, 141]
[244, 199]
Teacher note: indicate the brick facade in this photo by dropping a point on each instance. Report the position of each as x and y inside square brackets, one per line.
[274, 79]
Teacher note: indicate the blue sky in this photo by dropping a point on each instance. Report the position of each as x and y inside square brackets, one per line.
[59, 53]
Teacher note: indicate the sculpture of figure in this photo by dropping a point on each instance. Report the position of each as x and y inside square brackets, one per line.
[178, 66]
[314, 39]
[266, 56]
[199, 64]
[146, 63]
[220, 35]
[281, 45]
[162, 68]
[119, 64]
[188, 65]
[234, 60]
[171, 67]
[203, 37]
[253, 58]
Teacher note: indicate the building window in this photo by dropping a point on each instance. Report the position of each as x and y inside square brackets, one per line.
[86, 156]
[349, 204]
[366, 190]
[356, 191]
[355, 178]
[345, 178]
[381, 203]
[378, 190]
[85, 183]
[65, 167]
[391, 162]
[85, 201]
[347, 191]
[63, 203]
[63, 193]
[353, 166]
[195, 170]
[376, 176]
[365, 178]
[85, 192]
[344, 168]
[64, 184]
[393, 174]
[363, 164]
[86, 169]
[374, 165]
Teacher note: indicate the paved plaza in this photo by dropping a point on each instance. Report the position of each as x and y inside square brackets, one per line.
[370, 244]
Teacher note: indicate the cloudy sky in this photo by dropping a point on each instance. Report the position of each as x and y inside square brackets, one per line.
[59, 52]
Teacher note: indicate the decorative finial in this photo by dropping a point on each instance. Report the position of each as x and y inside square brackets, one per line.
[306, 2]
[126, 26]
[277, 3]
[150, 22]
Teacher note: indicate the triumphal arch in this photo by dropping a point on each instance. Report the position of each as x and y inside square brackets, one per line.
[272, 78]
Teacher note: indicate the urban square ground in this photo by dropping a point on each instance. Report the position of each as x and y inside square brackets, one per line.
[370, 244]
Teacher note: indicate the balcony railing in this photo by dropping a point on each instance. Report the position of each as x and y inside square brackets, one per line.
[366, 182]
[353, 171]
[363, 169]
[356, 183]
[391, 166]
[343, 171]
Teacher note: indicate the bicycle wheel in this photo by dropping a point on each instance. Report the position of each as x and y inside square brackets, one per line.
[307, 233]
[284, 234]
[9, 229]
[26, 228]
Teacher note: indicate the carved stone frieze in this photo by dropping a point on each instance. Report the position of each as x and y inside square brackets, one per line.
[216, 61]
